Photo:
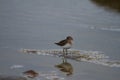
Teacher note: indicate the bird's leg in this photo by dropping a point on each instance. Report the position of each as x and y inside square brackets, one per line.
[65, 54]
[63, 51]
[63, 58]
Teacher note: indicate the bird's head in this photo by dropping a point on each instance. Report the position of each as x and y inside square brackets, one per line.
[69, 38]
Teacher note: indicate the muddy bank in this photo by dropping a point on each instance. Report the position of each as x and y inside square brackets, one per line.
[112, 4]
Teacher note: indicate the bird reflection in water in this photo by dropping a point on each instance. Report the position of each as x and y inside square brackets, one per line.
[65, 67]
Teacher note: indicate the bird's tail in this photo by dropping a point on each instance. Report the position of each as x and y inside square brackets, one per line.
[56, 43]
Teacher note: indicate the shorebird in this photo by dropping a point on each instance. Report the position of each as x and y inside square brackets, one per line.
[65, 44]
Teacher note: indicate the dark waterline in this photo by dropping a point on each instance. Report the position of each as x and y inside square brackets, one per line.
[111, 4]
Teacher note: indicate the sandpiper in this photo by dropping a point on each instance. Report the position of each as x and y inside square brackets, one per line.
[65, 44]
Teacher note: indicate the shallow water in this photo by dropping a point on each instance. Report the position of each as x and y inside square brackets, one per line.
[38, 24]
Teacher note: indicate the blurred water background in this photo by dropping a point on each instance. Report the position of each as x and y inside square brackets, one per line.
[28, 24]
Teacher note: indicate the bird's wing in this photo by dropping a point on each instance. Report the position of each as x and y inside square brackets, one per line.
[62, 43]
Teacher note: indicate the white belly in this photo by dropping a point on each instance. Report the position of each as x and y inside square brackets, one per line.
[67, 46]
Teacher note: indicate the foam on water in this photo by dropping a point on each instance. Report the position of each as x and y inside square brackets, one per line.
[96, 57]
[110, 29]
[114, 28]
[16, 66]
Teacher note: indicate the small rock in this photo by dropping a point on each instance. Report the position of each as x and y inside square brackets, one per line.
[31, 73]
